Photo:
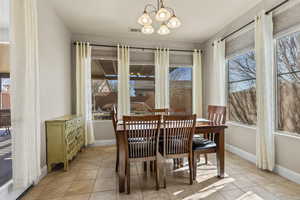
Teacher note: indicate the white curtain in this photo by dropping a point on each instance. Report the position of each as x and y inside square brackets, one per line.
[162, 78]
[123, 81]
[25, 105]
[84, 89]
[265, 91]
[220, 71]
[197, 83]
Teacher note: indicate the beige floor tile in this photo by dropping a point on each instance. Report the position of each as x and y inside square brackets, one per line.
[281, 190]
[34, 192]
[86, 175]
[92, 176]
[104, 184]
[80, 187]
[76, 197]
[261, 192]
[232, 194]
[106, 195]
[52, 192]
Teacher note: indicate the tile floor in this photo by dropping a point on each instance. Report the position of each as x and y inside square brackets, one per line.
[92, 177]
[5, 158]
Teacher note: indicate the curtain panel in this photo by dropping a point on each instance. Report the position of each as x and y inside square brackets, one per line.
[162, 57]
[220, 71]
[197, 84]
[265, 156]
[123, 81]
[84, 89]
[25, 105]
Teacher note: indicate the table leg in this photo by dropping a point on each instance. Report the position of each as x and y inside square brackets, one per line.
[221, 154]
[122, 163]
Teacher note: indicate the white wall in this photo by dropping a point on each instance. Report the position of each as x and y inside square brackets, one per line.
[55, 67]
[243, 137]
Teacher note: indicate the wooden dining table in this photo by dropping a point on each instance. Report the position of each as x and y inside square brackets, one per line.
[201, 128]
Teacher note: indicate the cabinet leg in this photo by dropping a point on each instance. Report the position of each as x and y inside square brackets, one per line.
[66, 166]
[49, 168]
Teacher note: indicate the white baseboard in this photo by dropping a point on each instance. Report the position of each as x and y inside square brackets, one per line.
[282, 171]
[243, 154]
[287, 173]
[104, 143]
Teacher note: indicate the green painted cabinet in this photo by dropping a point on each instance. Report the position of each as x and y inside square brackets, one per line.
[65, 138]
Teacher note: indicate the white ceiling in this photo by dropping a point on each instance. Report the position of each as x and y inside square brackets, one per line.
[201, 19]
[4, 14]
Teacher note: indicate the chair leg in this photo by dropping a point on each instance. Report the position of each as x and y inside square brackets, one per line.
[191, 168]
[151, 166]
[145, 166]
[128, 177]
[205, 156]
[156, 174]
[117, 161]
[195, 161]
[165, 174]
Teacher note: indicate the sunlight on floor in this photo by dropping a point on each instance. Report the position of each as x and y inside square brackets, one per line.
[92, 177]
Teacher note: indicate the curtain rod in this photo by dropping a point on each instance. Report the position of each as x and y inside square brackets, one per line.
[141, 48]
[249, 23]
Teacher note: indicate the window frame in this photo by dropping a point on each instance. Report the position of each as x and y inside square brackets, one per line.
[276, 37]
[236, 54]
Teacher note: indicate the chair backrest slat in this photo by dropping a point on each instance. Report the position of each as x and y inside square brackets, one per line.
[141, 135]
[178, 134]
[217, 115]
[114, 117]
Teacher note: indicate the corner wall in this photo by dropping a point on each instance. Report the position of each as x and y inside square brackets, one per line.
[240, 138]
[55, 68]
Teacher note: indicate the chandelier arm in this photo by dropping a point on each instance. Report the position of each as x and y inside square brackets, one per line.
[161, 4]
[150, 6]
[170, 9]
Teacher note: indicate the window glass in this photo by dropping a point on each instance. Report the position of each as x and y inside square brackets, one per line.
[242, 90]
[142, 88]
[288, 82]
[104, 87]
[181, 89]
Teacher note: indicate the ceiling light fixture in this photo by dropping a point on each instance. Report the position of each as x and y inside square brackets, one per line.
[164, 15]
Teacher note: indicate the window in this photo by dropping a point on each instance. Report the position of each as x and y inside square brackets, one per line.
[142, 88]
[4, 91]
[241, 86]
[181, 89]
[288, 82]
[104, 87]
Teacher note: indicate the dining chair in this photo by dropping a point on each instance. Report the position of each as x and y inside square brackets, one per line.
[177, 143]
[207, 144]
[141, 142]
[114, 117]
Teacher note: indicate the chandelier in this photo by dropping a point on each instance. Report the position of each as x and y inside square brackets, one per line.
[163, 15]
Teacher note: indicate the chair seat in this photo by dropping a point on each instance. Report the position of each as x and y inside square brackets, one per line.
[201, 144]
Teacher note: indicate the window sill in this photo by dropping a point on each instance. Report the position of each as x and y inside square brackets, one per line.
[101, 120]
[232, 123]
[287, 134]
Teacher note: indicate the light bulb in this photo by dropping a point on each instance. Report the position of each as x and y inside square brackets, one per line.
[162, 15]
[147, 29]
[174, 22]
[163, 30]
[145, 19]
